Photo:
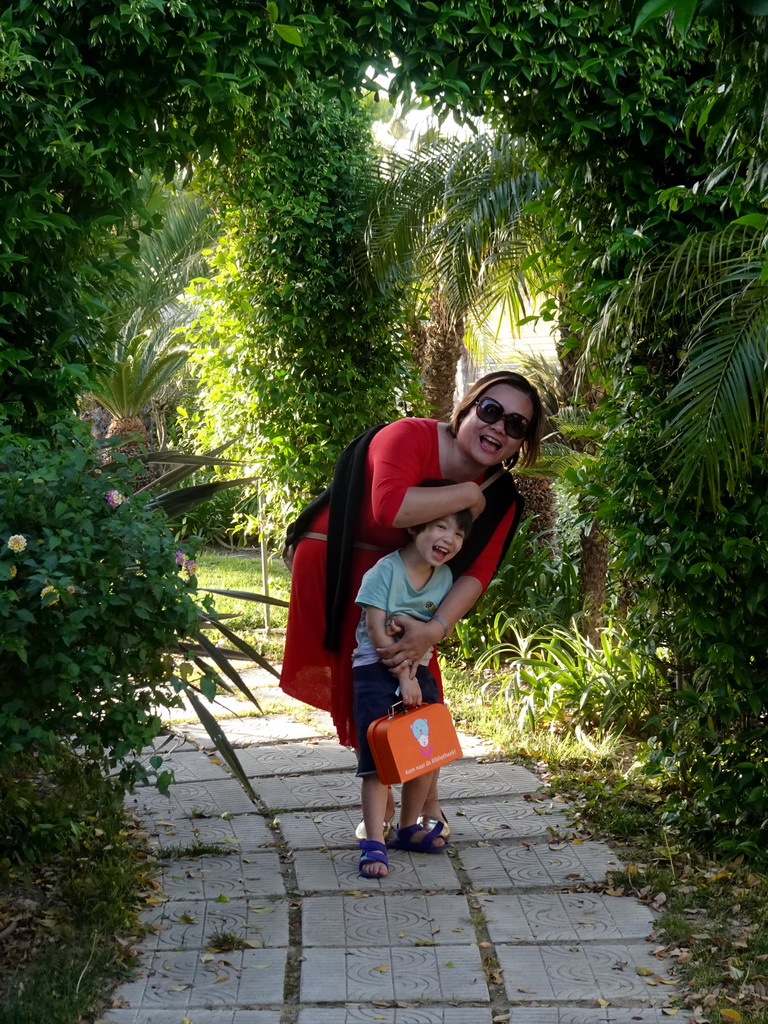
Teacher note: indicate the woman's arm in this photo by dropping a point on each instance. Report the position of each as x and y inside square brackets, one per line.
[400, 456]
[419, 636]
[423, 504]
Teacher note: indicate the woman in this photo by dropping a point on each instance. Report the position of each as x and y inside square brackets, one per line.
[374, 498]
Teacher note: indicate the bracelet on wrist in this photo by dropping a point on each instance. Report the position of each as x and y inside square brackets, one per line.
[443, 623]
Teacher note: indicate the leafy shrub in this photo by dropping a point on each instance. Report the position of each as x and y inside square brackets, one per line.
[92, 600]
[699, 577]
[535, 587]
[560, 680]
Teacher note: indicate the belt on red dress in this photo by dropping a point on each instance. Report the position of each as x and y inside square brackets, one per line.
[358, 543]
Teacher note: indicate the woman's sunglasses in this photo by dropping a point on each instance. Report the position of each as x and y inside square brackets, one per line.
[489, 411]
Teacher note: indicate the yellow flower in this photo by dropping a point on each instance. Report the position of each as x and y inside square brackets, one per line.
[13, 571]
[17, 542]
[50, 590]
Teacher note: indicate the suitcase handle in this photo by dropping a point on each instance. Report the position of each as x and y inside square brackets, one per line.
[400, 709]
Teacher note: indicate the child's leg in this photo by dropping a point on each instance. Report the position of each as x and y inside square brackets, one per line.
[374, 800]
[412, 806]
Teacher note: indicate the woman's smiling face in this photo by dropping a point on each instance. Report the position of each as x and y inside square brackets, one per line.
[488, 444]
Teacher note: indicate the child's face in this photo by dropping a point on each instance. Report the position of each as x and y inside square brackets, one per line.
[439, 540]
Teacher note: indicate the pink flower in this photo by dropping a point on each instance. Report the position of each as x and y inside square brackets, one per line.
[191, 566]
[17, 542]
[114, 498]
[180, 558]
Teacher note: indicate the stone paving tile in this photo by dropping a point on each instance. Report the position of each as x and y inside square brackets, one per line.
[535, 865]
[223, 795]
[563, 1015]
[565, 917]
[236, 877]
[192, 924]
[167, 742]
[201, 1017]
[188, 980]
[193, 766]
[411, 1015]
[390, 920]
[320, 829]
[323, 872]
[579, 973]
[330, 790]
[466, 778]
[511, 818]
[244, 831]
[242, 732]
[295, 759]
[447, 974]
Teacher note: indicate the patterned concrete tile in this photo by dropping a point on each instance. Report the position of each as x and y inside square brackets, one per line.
[203, 798]
[534, 865]
[579, 973]
[388, 921]
[192, 924]
[211, 878]
[611, 1015]
[566, 917]
[201, 1017]
[296, 759]
[466, 778]
[168, 741]
[338, 975]
[318, 830]
[337, 872]
[188, 980]
[244, 732]
[330, 790]
[512, 818]
[193, 766]
[401, 1015]
[242, 831]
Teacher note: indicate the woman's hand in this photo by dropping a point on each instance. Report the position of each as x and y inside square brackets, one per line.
[413, 638]
[477, 504]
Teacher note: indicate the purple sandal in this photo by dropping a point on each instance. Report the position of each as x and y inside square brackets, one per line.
[374, 852]
[426, 844]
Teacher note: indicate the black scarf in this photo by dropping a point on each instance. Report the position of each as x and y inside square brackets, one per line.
[345, 496]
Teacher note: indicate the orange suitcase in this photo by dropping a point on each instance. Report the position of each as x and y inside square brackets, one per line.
[409, 742]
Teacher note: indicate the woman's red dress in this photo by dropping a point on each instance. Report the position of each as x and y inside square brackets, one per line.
[401, 455]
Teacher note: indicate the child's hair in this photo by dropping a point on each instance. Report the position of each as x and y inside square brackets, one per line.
[463, 518]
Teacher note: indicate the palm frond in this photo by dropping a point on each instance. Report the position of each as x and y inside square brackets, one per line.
[720, 404]
[247, 595]
[175, 503]
[220, 740]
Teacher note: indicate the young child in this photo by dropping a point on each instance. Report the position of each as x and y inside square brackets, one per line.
[411, 581]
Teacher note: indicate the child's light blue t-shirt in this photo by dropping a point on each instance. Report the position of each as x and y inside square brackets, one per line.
[386, 585]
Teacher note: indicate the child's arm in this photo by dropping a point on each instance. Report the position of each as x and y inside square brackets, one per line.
[376, 624]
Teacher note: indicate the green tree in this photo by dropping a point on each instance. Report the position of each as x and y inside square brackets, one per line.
[449, 224]
[298, 352]
[145, 339]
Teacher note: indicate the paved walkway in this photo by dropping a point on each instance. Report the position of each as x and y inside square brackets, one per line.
[502, 928]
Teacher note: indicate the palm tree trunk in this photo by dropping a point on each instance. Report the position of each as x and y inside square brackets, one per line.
[436, 349]
[594, 572]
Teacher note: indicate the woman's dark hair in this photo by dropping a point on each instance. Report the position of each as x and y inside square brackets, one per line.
[531, 446]
[463, 517]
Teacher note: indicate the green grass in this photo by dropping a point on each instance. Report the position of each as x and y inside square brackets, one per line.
[232, 572]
